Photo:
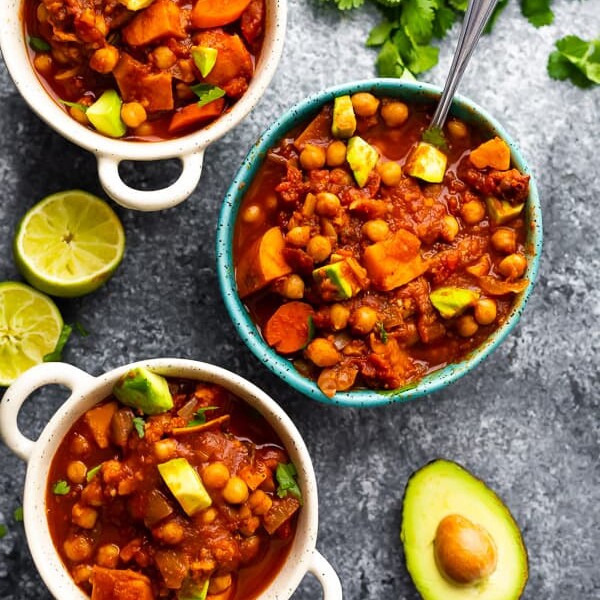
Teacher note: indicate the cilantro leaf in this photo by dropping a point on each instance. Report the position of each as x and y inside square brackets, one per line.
[92, 472]
[498, 9]
[200, 416]
[382, 332]
[18, 514]
[81, 330]
[139, 424]
[380, 33]
[417, 20]
[286, 478]
[435, 137]
[38, 44]
[207, 93]
[348, 4]
[81, 107]
[56, 354]
[443, 21]
[389, 63]
[459, 4]
[577, 60]
[538, 12]
[3, 530]
[422, 58]
[61, 488]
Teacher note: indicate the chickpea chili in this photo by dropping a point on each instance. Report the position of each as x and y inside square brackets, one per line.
[379, 257]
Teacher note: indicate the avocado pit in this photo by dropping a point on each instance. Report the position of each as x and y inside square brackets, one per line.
[465, 552]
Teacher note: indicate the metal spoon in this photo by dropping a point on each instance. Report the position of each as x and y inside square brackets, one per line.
[477, 15]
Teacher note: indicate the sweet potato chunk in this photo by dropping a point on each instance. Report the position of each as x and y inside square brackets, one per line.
[161, 19]
[114, 584]
[395, 261]
[99, 420]
[138, 84]
[262, 263]
[494, 153]
[233, 69]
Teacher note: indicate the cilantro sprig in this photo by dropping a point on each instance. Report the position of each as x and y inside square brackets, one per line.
[286, 478]
[61, 488]
[207, 93]
[576, 60]
[200, 416]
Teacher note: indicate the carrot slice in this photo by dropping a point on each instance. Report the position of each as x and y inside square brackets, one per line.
[214, 13]
[193, 115]
[288, 329]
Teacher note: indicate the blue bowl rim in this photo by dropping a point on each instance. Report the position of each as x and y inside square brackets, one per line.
[280, 366]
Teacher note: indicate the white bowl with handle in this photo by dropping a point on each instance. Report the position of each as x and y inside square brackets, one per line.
[189, 149]
[86, 391]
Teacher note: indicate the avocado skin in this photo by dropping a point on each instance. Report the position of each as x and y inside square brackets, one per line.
[449, 468]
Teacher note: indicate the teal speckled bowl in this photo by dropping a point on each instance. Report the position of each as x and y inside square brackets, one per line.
[411, 93]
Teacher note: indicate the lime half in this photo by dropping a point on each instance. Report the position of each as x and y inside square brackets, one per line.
[69, 244]
[30, 326]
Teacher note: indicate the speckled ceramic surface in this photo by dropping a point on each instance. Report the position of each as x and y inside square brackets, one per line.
[418, 93]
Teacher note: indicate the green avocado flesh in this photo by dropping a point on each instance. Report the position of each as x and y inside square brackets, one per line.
[105, 114]
[362, 158]
[185, 484]
[452, 301]
[344, 119]
[336, 281]
[443, 488]
[140, 388]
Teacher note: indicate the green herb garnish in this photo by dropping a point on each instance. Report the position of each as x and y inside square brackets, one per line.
[38, 44]
[81, 330]
[139, 424]
[92, 472]
[61, 488]
[576, 60]
[382, 333]
[435, 137]
[56, 354]
[207, 93]
[538, 12]
[286, 478]
[3, 530]
[18, 514]
[81, 107]
[200, 416]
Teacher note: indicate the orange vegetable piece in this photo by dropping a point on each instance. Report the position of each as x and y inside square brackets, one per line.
[120, 584]
[318, 130]
[288, 328]
[254, 476]
[262, 263]
[193, 115]
[161, 19]
[494, 153]
[98, 420]
[395, 261]
[215, 13]
[494, 287]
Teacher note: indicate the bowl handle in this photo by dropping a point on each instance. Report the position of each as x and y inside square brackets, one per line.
[22, 388]
[328, 578]
[120, 192]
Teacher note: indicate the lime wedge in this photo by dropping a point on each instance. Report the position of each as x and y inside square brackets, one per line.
[30, 325]
[69, 244]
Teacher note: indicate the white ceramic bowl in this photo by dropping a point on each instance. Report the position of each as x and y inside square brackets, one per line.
[87, 391]
[189, 149]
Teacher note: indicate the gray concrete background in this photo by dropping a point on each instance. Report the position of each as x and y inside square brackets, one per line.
[526, 420]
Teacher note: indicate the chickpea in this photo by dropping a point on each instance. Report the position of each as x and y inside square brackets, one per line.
[81, 574]
[363, 319]
[472, 212]
[41, 13]
[249, 548]
[170, 532]
[298, 236]
[339, 315]
[100, 25]
[219, 583]
[208, 516]
[84, 516]
[365, 104]
[394, 113]
[390, 173]
[76, 471]
[376, 230]
[165, 449]
[450, 228]
[43, 63]
[249, 526]
[292, 287]
[183, 91]
[466, 326]
[164, 57]
[457, 129]
[336, 154]
[236, 491]
[108, 556]
[513, 266]
[104, 60]
[144, 129]
[259, 502]
[133, 114]
[215, 475]
[504, 240]
[78, 115]
[323, 353]
[319, 248]
[92, 493]
[312, 157]
[270, 202]
[253, 214]
[485, 311]
[328, 204]
[78, 548]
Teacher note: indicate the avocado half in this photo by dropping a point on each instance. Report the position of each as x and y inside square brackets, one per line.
[440, 491]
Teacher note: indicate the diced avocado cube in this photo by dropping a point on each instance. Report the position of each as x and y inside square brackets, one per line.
[452, 301]
[344, 119]
[136, 4]
[427, 162]
[204, 58]
[193, 590]
[502, 211]
[336, 281]
[362, 158]
[185, 484]
[105, 114]
[140, 388]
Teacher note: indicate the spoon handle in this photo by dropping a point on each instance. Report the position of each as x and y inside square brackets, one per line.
[477, 15]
